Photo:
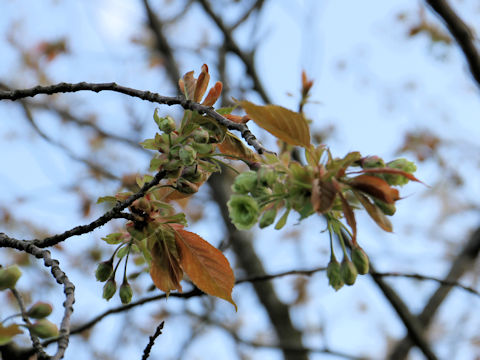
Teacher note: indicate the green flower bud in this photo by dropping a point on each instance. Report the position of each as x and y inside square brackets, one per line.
[109, 289]
[360, 260]
[203, 149]
[348, 272]
[387, 209]
[9, 277]
[334, 275]
[267, 176]
[191, 173]
[44, 329]
[165, 124]
[173, 165]
[245, 182]
[39, 310]
[126, 293]
[243, 211]
[268, 218]
[401, 164]
[369, 162]
[186, 187]
[187, 155]
[104, 270]
[201, 136]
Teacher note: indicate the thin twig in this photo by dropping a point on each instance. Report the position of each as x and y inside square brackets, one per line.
[151, 341]
[60, 277]
[102, 220]
[462, 34]
[35, 340]
[232, 46]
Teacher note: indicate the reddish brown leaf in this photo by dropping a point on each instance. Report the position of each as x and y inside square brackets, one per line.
[202, 84]
[388, 170]
[323, 195]
[285, 124]
[165, 268]
[350, 217]
[376, 187]
[375, 213]
[189, 84]
[233, 146]
[205, 265]
[213, 94]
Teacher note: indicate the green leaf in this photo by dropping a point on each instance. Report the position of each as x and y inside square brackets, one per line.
[7, 333]
[225, 110]
[156, 163]
[283, 220]
[150, 144]
[114, 238]
[123, 251]
[103, 199]
[285, 124]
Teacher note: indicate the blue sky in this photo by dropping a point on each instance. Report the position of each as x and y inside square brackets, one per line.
[372, 83]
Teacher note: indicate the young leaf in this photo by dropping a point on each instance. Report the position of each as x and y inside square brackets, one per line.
[387, 170]
[106, 199]
[165, 268]
[115, 238]
[6, 333]
[375, 213]
[323, 195]
[205, 265]
[283, 220]
[233, 146]
[213, 94]
[285, 124]
[375, 187]
[202, 84]
[350, 216]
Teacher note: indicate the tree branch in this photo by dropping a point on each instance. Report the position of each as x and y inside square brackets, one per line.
[114, 213]
[35, 340]
[144, 95]
[463, 262]
[151, 341]
[60, 277]
[462, 34]
[162, 44]
[232, 46]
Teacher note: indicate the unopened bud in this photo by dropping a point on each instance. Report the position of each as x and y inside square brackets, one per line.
[187, 155]
[360, 260]
[266, 176]
[186, 187]
[372, 162]
[165, 124]
[39, 310]
[104, 270]
[268, 218]
[192, 173]
[126, 293]
[387, 209]
[401, 164]
[201, 136]
[9, 277]
[245, 182]
[203, 149]
[44, 329]
[348, 271]
[109, 289]
[335, 279]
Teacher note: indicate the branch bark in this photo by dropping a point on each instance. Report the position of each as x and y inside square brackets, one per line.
[462, 263]
[462, 34]
[278, 312]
